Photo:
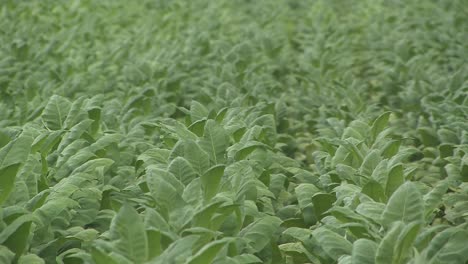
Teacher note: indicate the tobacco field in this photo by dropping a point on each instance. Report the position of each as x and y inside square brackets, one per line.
[234, 131]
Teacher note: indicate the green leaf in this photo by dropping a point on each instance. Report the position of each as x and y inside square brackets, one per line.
[405, 241]
[379, 124]
[7, 181]
[428, 136]
[261, 232]
[395, 179]
[18, 240]
[182, 170]
[6, 256]
[215, 141]
[196, 156]
[322, 203]
[434, 198]
[203, 216]
[210, 181]
[363, 251]
[449, 246]
[51, 141]
[178, 251]
[93, 165]
[30, 259]
[197, 111]
[371, 210]
[16, 151]
[304, 193]
[74, 134]
[164, 187]
[426, 235]
[247, 149]
[406, 204]
[101, 257]
[391, 148]
[76, 113]
[370, 163]
[333, 244]
[15, 232]
[154, 243]
[52, 208]
[55, 112]
[375, 191]
[127, 227]
[297, 252]
[386, 250]
[208, 252]
[154, 220]
[198, 127]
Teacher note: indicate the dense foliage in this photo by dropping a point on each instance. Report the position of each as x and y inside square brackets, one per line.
[234, 131]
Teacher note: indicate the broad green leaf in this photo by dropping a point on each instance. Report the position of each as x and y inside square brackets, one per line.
[406, 204]
[210, 181]
[247, 149]
[426, 235]
[304, 193]
[371, 210]
[154, 156]
[52, 208]
[101, 257]
[6, 256]
[197, 111]
[182, 170]
[386, 250]
[449, 246]
[55, 112]
[7, 181]
[379, 124]
[16, 151]
[104, 141]
[76, 113]
[15, 232]
[154, 243]
[268, 124]
[92, 165]
[245, 259]
[215, 141]
[198, 127]
[178, 129]
[30, 259]
[333, 244]
[208, 252]
[18, 241]
[322, 203]
[428, 136]
[375, 191]
[128, 230]
[154, 220]
[51, 141]
[391, 148]
[261, 232]
[203, 216]
[178, 252]
[435, 197]
[164, 187]
[297, 252]
[194, 154]
[405, 241]
[74, 134]
[363, 251]
[395, 179]
[370, 163]
[380, 173]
